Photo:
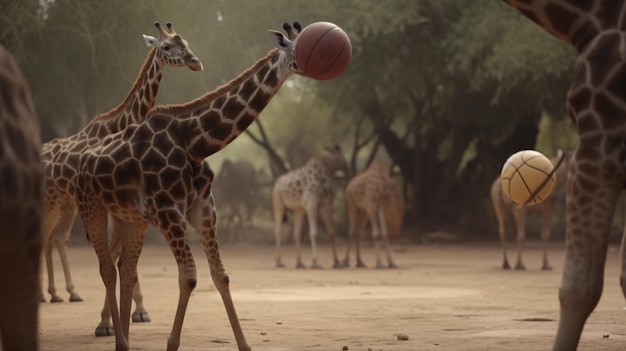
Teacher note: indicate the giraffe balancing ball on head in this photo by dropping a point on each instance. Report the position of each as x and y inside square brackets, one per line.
[528, 177]
[155, 172]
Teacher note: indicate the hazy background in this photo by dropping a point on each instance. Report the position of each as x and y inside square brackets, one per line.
[443, 91]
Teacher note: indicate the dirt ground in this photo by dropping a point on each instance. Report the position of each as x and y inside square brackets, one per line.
[444, 297]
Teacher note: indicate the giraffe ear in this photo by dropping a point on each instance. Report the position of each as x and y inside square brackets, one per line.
[280, 41]
[150, 40]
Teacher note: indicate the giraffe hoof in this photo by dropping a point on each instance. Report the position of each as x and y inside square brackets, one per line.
[105, 331]
[392, 266]
[42, 299]
[520, 267]
[339, 265]
[360, 265]
[74, 297]
[380, 266]
[316, 266]
[300, 265]
[56, 299]
[506, 266]
[546, 267]
[141, 317]
[280, 265]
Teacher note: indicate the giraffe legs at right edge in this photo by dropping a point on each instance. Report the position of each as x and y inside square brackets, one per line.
[583, 274]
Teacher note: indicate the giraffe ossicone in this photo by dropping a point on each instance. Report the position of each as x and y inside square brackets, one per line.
[155, 172]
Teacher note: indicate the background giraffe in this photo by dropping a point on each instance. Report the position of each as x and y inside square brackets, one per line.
[61, 156]
[372, 196]
[502, 206]
[155, 172]
[308, 190]
[21, 207]
[597, 105]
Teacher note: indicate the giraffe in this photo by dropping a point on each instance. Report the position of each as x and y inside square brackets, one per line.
[596, 103]
[308, 190]
[60, 157]
[155, 173]
[371, 195]
[21, 207]
[502, 206]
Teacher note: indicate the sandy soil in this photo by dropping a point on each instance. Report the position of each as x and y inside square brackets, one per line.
[446, 297]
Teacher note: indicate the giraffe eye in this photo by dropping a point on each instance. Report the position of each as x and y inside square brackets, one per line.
[166, 48]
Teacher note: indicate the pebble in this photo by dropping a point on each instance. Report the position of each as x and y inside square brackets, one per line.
[403, 336]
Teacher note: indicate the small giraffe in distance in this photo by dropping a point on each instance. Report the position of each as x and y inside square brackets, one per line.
[21, 209]
[61, 158]
[372, 196]
[596, 102]
[502, 206]
[308, 190]
[155, 172]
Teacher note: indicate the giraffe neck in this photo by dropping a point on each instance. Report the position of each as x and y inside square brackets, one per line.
[209, 123]
[575, 22]
[135, 107]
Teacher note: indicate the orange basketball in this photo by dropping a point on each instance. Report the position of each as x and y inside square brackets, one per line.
[323, 50]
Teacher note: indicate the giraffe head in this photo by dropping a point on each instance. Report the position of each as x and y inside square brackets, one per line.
[335, 162]
[172, 48]
[286, 44]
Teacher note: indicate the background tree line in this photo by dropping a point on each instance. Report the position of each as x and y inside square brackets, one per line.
[443, 90]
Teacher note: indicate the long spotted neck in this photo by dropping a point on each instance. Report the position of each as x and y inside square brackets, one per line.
[575, 22]
[140, 99]
[209, 123]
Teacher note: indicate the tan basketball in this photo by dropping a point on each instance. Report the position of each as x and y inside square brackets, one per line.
[528, 177]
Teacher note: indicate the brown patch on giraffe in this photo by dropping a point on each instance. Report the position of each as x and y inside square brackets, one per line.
[259, 100]
[244, 121]
[247, 89]
[232, 108]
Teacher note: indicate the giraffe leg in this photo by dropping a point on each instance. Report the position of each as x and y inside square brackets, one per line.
[327, 217]
[384, 233]
[361, 221]
[352, 213]
[203, 220]
[61, 237]
[174, 231]
[94, 217]
[50, 221]
[519, 214]
[500, 210]
[54, 297]
[298, 217]
[311, 213]
[132, 235]
[140, 315]
[622, 279]
[546, 223]
[279, 212]
[372, 215]
[586, 249]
